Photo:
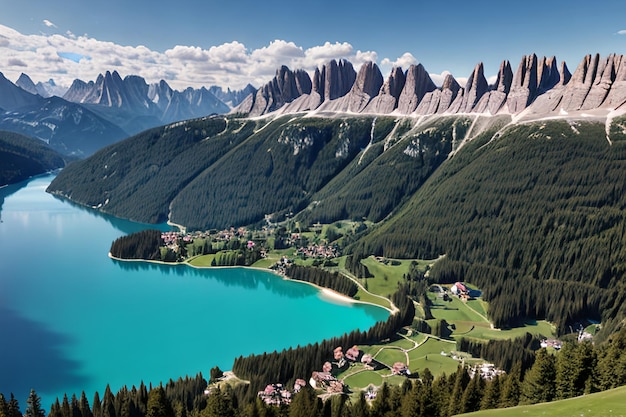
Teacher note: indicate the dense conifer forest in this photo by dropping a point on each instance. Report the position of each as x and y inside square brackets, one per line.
[578, 368]
[533, 216]
[333, 280]
[22, 157]
[531, 213]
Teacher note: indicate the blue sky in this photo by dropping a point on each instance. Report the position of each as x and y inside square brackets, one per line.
[196, 42]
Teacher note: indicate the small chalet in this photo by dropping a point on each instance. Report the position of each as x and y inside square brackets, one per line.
[459, 289]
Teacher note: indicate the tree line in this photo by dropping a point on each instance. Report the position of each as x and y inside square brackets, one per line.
[323, 278]
[577, 369]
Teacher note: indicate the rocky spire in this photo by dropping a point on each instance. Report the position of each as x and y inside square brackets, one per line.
[285, 87]
[494, 100]
[417, 84]
[387, 99]
[580, 83]
[524, 85]
[475, 87]
[548, 75]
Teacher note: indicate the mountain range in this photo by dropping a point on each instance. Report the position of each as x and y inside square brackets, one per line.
[538, 88]
[519, 183]
[91, 115]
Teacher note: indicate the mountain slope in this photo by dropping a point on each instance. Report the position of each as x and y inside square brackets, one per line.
[532, 214]
[22, 157]
[68, 128]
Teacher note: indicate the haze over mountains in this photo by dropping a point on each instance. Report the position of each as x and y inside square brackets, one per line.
[93, 114]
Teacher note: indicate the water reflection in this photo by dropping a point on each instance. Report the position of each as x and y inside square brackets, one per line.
[31, 352]
[125, 226]
[230, 277]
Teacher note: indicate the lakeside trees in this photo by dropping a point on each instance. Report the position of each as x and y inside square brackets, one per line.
[553, 376]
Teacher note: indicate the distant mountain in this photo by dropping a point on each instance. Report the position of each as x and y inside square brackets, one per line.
[12, 97]
[47, 89]
[22, 157]
[135, 105]
[232, 98]
[68, 128]
[538, 87]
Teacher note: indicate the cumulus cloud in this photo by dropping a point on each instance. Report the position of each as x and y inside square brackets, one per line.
[405, 61]
[49, 23]
[66, 57]
[14, 62]
[621, 32]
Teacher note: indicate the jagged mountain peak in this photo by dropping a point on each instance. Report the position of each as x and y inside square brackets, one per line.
[541, 83]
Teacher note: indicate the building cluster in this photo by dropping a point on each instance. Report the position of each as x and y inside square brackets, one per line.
[318, 251]
[487, 371]
[277, 394]
[400, 368]
[552, 343]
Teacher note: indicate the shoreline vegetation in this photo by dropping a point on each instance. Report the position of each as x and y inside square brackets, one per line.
[433, 330]
[324, 291]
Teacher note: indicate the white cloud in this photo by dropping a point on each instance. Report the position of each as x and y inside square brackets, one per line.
[49, 23]
[621, 32]
[405, 61]
[66, 57]
[438, 79]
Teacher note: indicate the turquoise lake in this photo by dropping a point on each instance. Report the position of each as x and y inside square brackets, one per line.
[72, 319]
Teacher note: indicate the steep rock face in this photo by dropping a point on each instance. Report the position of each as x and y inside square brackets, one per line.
[417, 84]
[232, 98]
[449, 92]
[603, 81]
[474, 89]
[337, 79]
[580, 84]
[25, 83]
[617, 96]
[285, 87]
[539, 86]
[12, 97]
[524, 86]
[492, 101]
[111, 91]
[366, 86]
[548, 75]
[387, 99]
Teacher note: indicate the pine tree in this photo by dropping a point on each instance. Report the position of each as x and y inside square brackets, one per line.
[33, 408]
[360, 408]
[13, 407]
[66, 410]
[461, 379]
[55, 409]
[305, 404]
[218, 405]
[4, 406]
[491, 398]
[97, 405]
[538, 384]
[158, 404]
[83, 405]
[473, 394]
[511, 387]
[108, 403]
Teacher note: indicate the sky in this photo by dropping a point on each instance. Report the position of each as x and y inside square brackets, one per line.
[232, 43]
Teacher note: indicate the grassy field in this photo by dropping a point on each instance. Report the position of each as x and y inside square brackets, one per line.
[601, 404]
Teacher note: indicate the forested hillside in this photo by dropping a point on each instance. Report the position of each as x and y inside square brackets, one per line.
[533, 215]
[219, 172]
[22, 157]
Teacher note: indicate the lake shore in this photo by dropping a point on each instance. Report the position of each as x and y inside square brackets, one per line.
[327, 293]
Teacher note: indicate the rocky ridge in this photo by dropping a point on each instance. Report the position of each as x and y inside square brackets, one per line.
[539, 87]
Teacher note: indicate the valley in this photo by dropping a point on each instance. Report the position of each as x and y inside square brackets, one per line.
[487, 219]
